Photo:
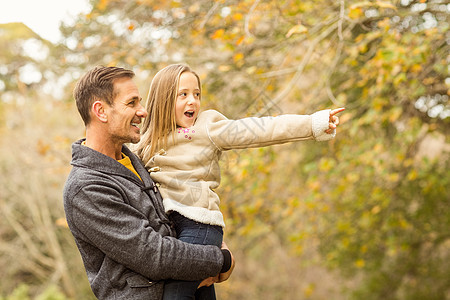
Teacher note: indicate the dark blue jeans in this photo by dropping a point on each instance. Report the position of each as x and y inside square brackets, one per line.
[194, 233]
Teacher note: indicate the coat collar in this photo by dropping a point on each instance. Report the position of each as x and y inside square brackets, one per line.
[86, 157]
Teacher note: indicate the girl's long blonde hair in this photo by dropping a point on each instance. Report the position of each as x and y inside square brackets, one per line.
[160, 106]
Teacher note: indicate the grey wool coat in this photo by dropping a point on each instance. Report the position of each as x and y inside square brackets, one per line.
[122, 232]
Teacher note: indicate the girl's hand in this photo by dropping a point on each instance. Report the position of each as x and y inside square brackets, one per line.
[334, 120]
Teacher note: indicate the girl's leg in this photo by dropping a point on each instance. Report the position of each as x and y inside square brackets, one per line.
[194, 233]
[205, 293]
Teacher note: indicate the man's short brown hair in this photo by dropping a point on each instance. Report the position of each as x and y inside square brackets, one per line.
[97, 84]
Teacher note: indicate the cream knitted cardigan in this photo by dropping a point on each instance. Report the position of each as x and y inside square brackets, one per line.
[188, 170]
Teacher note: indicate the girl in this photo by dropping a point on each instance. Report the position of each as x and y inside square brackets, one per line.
[181, 148]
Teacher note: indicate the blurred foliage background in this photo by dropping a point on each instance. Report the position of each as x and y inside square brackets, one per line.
[365, 216]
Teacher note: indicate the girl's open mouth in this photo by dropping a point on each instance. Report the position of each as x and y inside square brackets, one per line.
[189, 114]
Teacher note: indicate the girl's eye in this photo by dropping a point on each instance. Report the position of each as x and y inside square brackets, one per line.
[183, 94]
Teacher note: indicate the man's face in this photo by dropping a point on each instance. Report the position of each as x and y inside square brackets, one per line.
[126, 113]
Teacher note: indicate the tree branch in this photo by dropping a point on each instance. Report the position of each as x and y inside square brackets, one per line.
[287, 90]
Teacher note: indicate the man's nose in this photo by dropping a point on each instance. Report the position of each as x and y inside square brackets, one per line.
[141, 112]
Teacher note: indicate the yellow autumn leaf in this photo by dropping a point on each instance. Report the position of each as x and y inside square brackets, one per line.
[429, 80]
[360, 263]
[237, 17]
[298, 249]
[375, 210]
[102, 5]
[378, 147]
[345, 242]
[326, 164]
[224, 68]
[131, 60]
[238, 57]
[218, 34]
[309, 289]
[385, 4]
[361, 4]
[194, 8]
[396, 112]
[412, 175]
[408, 162]
[42, 147]
[240, 40]
[297, 29]
[416, 68]
[325, 208]
[393, 177]
[363, 249]
[403, 223]
[355, 13]
[314, 185]
[352, 177]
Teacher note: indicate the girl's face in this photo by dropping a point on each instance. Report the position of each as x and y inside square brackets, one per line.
[187, 105]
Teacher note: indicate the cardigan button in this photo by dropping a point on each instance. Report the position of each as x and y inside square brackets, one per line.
[154, 169]
[161, 152]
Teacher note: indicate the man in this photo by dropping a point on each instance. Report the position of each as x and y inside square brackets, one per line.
[114, 209]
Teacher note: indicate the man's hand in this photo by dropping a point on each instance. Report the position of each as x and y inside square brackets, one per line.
[208, 281]
[226, 275]
[222, 276]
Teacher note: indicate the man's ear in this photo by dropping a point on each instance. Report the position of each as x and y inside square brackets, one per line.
[98, 109]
